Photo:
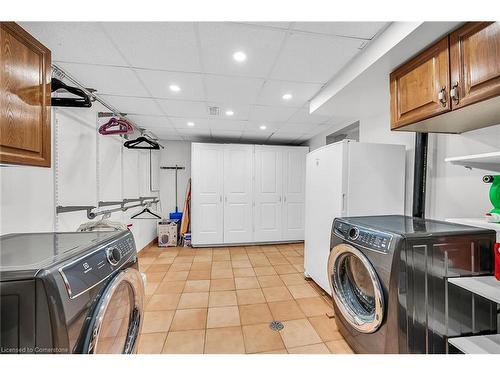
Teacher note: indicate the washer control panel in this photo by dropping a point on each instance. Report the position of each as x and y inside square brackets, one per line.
[89, 270]
[365, 237]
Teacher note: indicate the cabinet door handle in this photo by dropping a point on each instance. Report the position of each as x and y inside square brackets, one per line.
[279, 199]
[442, 96]
[454, 93]
[220, 198]
[225, 198]
[284, 199]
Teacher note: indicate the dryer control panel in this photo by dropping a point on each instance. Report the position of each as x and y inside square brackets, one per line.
[368, 238]
[84, 273]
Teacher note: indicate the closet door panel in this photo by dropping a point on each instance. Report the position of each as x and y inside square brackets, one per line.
[268, 193]
[207, 185]
[294, 170]
[238, 193]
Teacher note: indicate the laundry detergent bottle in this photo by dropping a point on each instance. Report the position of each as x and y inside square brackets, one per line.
[494, 214]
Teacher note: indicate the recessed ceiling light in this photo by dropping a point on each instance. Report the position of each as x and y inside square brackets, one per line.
[190, 123]
[174, 88]
[239, 56]
[263, 127]
[287, 96]
[229, 112]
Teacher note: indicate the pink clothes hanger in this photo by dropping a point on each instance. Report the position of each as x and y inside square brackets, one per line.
[116, 126]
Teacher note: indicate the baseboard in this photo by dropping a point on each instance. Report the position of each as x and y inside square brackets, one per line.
[152, 243]
[248, 243]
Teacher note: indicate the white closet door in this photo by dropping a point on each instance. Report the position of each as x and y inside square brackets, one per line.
[268, 193]
[207, 190]
[294, 180]
[238, 193]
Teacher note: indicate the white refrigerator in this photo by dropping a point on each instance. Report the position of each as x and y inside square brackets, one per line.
[348, 178]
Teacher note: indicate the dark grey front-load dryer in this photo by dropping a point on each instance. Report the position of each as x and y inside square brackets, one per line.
[389, 279]
[70, 293]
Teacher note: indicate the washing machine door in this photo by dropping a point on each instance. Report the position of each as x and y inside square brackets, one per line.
[356, 288]
[117, 318]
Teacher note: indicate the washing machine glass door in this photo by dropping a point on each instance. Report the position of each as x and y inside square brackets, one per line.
[356, 288]
[116, 322]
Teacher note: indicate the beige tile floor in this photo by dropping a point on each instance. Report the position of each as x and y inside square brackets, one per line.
[221, 300]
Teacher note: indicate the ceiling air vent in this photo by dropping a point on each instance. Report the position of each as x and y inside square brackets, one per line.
[213, 111]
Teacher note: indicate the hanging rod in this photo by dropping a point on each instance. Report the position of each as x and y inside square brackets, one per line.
[91, 214]
[61, 73]
[175, 168]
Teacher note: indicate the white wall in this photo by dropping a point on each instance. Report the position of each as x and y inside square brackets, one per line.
[175, 152]
[454, 191]
[86, 168]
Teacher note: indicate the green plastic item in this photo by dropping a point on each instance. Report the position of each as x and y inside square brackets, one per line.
[494, 192]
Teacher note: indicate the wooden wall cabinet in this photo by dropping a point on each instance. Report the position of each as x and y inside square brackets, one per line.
[25, 75]
[461, 69]
[419, 88]
[475, 63]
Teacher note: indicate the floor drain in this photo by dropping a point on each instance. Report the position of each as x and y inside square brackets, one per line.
[276, 325]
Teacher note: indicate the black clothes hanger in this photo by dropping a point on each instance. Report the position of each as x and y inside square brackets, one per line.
[136, 144]
[82, 101]
[146, 211]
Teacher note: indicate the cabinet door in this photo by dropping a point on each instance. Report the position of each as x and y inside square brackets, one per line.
[419, 88]
[294, 179]
[268, 193]
[238, 193]
[475, 62]
[25, 74]
[207, 190]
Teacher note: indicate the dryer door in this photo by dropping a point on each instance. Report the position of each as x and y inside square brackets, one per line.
[356, 288]
[117, 318]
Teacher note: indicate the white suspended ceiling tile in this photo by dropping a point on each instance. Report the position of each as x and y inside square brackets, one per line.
[108, 80]
[181, 122]
[363, 30]
[256, 134]
[168, 135]
[298, 128]
[219, 40]
[235, 90]
[303, 116]
[285, 136]
[254, 127]
[273, 91]
[279, 25]
[229, 125]
[156, 45]
[156, 122]
[234, 134]
[184, 108]
[157, 82]
[314, 58]
[194, 132]
[240, 111]
[270, 114]
[133, 106]
[82, 42]
[204, 138]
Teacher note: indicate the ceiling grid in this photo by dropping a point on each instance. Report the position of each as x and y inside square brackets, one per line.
[132, 65]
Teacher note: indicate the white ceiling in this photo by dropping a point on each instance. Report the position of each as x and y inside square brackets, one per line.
[132, 65]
